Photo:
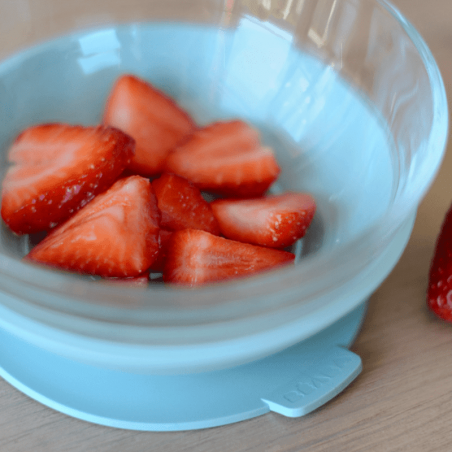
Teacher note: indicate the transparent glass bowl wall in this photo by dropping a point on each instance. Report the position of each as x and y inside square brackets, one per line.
[375, 51]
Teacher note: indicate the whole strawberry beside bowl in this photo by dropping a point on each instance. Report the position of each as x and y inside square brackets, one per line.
[439, 293]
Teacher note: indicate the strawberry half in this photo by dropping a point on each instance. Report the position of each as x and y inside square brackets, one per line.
[196, 257]
[182, 205]
[57, 169]
[141, 281]
[225, 158]
[439, 293]
[164, 239]
[115, 235]
[274, 221]
[154, 120]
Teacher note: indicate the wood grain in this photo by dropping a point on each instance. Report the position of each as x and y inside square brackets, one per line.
[402, 401]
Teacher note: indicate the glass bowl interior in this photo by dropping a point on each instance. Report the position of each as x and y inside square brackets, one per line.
[346, 92]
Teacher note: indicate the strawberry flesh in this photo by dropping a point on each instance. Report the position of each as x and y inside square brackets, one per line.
[225, 158]
[275, 221]
[182, 205]
[439, 293]
[164, 239]
[141, 281]
[115, 235]
[154, 120]
[196, 257]
[57, 169]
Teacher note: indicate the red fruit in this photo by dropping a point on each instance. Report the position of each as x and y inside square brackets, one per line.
[182, 205]
[196, 257]
[226, 158]
[439, 295]
[57, 169]
[164, 239]
[115, 235]
[141, 281]
[151, 118]
[274, 221]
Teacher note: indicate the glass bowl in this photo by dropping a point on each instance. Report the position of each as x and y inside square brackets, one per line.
[345, 91]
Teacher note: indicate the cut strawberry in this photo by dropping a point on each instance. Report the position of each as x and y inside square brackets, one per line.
[115, 235]
[164, 239]
[196, 257]
[57, 169]
[439, 296]
[141, 281]
[182, 205]
[274, 221]
[153, 119]
[226, 158]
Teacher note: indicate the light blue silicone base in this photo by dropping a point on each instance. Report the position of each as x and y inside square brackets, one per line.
[293, 383]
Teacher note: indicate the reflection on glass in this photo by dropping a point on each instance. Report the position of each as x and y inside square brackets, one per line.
[100, 50]
[256, 62]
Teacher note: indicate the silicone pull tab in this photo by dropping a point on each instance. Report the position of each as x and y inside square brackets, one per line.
[330, 375]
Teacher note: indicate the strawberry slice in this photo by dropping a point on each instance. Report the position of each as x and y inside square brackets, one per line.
[196, 257]
[57, 169]
[182, 205]
[164, 239]
[141, 281]
[275, 221]
[225, 158]
[115, 235]
[439, 293]
[151, 118]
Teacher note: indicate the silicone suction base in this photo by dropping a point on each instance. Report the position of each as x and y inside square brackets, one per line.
[292, 383]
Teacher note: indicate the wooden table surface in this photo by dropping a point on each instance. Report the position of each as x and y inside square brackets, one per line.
[402, 401]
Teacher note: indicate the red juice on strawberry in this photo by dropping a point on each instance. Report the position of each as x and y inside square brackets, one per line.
[197, 122]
